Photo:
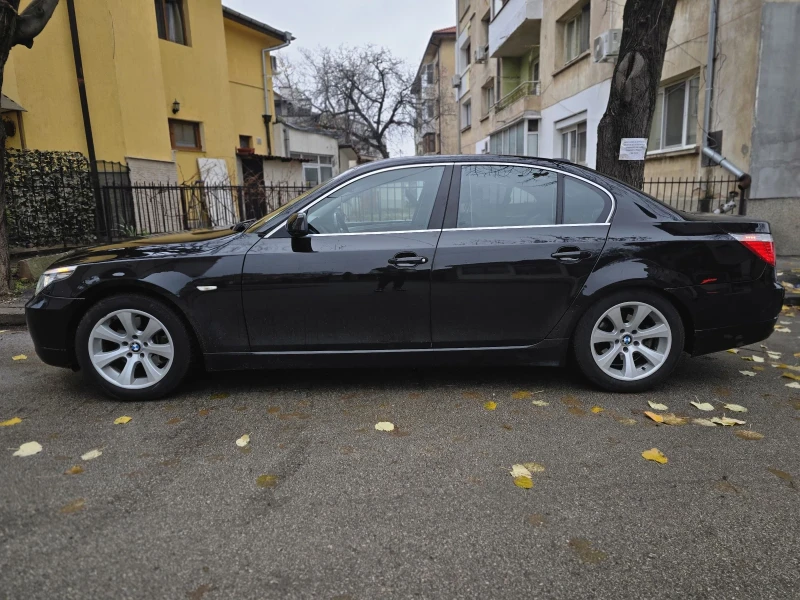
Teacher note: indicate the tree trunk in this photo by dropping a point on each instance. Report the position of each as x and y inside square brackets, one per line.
[634, 85]
[8, 23]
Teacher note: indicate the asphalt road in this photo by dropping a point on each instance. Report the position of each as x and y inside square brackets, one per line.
[174, 509]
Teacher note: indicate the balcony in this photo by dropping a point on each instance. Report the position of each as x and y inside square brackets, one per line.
[515, 28]
[524, 100]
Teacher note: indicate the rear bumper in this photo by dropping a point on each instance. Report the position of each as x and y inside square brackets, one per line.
[50, 323]
[715, 340]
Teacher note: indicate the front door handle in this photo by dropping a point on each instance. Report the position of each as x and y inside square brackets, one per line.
[570, 254]
[407, 259]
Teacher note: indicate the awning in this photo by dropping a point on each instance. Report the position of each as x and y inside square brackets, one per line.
[7, 104]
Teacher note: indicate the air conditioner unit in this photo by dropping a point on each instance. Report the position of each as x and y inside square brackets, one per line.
[456, 81]
[606, 45]
[481, 54]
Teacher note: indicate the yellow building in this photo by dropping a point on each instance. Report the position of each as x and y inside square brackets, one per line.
[178, 90]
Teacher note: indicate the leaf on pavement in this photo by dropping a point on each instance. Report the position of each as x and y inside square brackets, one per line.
[773, 355]
[73, 506]
[789, 375]
[706, 406]
[521, 395]
[747, 434]
[533, 467]
[704, 422]
[219, 396]
[726, 421]
[519, 470]
[734, 351]
[523, 482]
[29, 449]
[243, 441]
[267, 481]
[10, 422]
[780, 329]
[655, 455]
[625, 420]
[3, 330]
[384, 426]
[91, 454]
[122, 420]
[748, 373]
[490, 405]
[76, 470]
[795, 385]
[657, 406]
[19, 357]
[597, 409]
[735, 407]
[796, 354]
[657, 418]
[540, 403]
[753, 358]
[671, 419]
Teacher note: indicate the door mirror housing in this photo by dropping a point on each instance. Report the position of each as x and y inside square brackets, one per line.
[297, 225]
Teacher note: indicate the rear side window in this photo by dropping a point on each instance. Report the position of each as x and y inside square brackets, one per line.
[504, 196]
[584, 203]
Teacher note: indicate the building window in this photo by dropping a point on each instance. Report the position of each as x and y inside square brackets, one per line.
[576, 34]
[488, 98]
[511, 140]
[184, 135]
[317, 169]
[429, 110]
[675, 117]
[430, 73]
[466, 114]
[170, 21]
[245, 141]
[573, 143]
[429, 143]
[533, 138]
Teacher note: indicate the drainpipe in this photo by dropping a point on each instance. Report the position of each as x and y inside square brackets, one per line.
[457, 50]
[743, 178]
[87, 121]
[267, 116]
[712, 43]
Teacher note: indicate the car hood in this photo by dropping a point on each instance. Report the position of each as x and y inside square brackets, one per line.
[177, 244]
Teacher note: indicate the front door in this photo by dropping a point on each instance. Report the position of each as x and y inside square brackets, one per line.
[361, 279]
[517, 247]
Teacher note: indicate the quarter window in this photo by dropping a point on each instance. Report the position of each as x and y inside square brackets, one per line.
[503, 196]
[584, 203]
[396, 200]
[170, 21]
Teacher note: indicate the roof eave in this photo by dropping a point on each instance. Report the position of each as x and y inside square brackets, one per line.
[258, 26]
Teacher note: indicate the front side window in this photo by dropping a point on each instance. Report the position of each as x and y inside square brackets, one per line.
[396, 200]
[675, 117]
[504, 196]
[573, 143]
[584, 203]
[184, 135]
[170, 21]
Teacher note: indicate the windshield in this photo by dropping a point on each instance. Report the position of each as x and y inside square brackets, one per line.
[255, 226]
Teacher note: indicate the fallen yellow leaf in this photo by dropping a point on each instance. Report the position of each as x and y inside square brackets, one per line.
[758, 368]
[655, 455]
[521, 395]
[782, 329]
[748, 373]
[747, 434]
[654, 416]
[796, 354]
[657, 406]
[91, 454]
[540, 403]
[29, 449]
[533, 467]
[795, 385]
[671, 419]
[735, 408]
[791, 376]
[73, 506]
[704, 422]
[267, 481]
[10, 422]
[490, 405]
[76, 470]
[384, 426]
[726, 421]
[3, 330]
[519, 471]
[753, 358]
[597, 409]
[121, 420]
[19, 357]
[734, 351]
[625, 420]
[243, 441]
[702, 406]
[523, 482]
[773, 355]
[219, 396]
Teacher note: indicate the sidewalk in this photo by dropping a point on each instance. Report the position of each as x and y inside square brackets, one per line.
[12, 310]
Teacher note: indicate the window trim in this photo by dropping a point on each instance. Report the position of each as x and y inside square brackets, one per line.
[198, 136]
[165, 24]
[453, 193]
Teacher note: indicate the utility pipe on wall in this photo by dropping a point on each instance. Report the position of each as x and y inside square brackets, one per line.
[712, 43]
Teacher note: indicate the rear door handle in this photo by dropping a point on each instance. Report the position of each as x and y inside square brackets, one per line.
[570, 254]
[403, 259]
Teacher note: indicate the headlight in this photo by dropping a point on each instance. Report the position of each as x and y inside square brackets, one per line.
[53, 275]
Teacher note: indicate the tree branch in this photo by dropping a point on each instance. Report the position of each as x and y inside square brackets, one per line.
[32, 21]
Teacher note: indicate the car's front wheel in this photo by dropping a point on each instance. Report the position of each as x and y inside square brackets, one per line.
[629, 341]
[134, 347]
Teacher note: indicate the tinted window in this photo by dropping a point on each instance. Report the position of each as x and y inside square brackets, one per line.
[501, 196]
[397, 200]
[584, 203]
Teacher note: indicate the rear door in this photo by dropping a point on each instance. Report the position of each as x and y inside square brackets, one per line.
[517, 246]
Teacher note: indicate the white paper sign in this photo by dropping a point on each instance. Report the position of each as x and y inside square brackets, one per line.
[632, 148]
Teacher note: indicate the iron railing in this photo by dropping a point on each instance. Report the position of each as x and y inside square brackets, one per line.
[694, 195]
[526, 88]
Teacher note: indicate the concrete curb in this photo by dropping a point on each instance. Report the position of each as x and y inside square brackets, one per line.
[12, 316]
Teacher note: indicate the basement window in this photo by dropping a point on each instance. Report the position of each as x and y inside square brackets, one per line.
[170, 21]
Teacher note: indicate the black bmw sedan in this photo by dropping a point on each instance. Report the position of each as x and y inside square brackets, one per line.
[462, 259]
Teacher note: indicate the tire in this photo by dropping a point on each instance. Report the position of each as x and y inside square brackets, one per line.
[151, 356]
[634, 366]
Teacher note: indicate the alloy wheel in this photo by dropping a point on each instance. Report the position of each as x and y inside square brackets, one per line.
[131, 349]
[631, 341]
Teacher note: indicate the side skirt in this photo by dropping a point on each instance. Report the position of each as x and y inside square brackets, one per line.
[546, 353]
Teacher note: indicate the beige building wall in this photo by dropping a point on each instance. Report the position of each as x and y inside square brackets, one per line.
[442, 124]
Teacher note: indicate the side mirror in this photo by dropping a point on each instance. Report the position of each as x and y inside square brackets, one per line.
[297, 225]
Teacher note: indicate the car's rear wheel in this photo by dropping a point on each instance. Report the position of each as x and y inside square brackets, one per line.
[134, 347]
[629, 341]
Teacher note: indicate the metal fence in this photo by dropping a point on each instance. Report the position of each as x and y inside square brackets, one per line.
[694, 195]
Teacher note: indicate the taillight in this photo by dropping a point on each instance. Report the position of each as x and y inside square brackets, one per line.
[760, 244]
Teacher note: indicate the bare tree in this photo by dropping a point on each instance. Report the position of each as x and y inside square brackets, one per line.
[364, 94]
[15, 29]
[634, 85]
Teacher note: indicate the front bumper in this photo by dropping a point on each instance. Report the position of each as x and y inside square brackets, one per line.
[51, 323]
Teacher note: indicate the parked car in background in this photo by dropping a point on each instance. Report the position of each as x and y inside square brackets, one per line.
[461, 259]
